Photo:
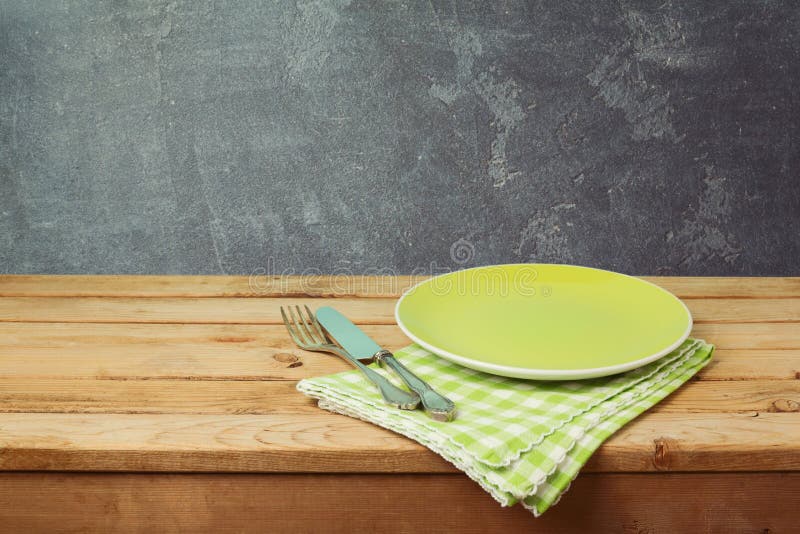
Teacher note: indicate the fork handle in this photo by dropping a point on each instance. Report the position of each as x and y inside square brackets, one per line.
[439, 407]
[392, 394]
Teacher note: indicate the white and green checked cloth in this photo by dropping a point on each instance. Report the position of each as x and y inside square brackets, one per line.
[521, 440]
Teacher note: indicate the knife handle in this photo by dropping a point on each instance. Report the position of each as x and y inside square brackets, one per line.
[392, 394]
[439, 407]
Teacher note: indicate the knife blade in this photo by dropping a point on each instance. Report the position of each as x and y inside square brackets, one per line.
[361, 346]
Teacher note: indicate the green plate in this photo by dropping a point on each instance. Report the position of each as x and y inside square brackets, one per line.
[542, 321]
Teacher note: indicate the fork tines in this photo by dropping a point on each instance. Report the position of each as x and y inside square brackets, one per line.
[305, 330]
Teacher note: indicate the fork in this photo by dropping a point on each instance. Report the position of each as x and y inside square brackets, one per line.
[307, 333]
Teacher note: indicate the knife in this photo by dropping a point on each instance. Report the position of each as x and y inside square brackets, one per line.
[361, 346]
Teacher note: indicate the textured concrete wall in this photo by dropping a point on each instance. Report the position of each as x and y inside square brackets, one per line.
[227, 137]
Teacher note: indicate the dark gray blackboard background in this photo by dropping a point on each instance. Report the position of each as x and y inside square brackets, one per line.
[235, 137]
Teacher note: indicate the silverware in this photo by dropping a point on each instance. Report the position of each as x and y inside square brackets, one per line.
[307, 333]
[361, 346]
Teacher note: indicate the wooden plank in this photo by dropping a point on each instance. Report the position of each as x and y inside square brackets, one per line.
[247, 352]
[299, 442]
[752, 310]
[59, 395]
[322, 442]
[267, 310]
[130, 351]
[744, 396]
[261, 285]
[764, 336]
[54, 395]
[256, 285]
[124, 502]
[182, 310]
[752, 364]
[693, 287]
[717, 442]
[221, 361]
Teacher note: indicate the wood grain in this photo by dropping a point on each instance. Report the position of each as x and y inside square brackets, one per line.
[142, 351]
[186, 310]
[257, 285]
[70, 396]
[260, 285]
[64, 395]
[752, 364]
[248, 352]
[744, 310]
[691, 287]
[223, 310]
[322, 442]
[221, 503]
[761, 336]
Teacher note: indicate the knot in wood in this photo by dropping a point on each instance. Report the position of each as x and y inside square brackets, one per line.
[662, 457]
[784, 405]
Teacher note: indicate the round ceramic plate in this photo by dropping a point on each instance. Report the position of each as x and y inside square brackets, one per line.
[542, 321]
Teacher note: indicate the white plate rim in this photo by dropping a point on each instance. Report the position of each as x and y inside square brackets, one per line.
[541, 374]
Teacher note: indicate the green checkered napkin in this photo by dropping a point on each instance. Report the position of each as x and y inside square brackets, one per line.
[521, 440]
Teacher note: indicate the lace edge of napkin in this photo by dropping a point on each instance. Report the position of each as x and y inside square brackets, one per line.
[613, 408]
[538, 513]
[684, 354]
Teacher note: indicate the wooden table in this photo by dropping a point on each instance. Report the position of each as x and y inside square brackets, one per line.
[154, 403]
